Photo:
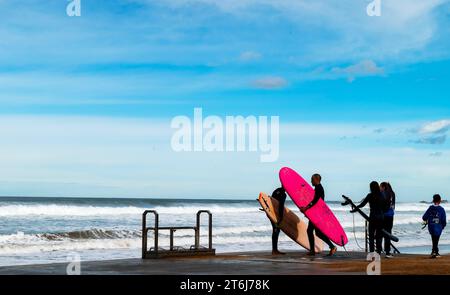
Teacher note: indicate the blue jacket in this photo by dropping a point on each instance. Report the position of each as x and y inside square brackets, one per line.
[390, 204]
[436, 218]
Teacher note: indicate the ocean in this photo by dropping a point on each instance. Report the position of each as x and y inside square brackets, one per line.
[48, 230]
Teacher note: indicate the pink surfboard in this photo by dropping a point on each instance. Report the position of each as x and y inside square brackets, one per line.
[320, 214]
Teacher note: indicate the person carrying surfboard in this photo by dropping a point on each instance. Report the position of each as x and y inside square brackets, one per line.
[376, 216]
[319, 193]
[280, 195]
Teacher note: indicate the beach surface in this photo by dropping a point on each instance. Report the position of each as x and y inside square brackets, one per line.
[247, 263]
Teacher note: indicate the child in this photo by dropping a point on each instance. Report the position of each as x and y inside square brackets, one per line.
[436, 219]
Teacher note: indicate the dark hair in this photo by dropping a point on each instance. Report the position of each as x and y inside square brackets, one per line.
[389, 191]
[375, 188]
[436, 198]
[317, 176]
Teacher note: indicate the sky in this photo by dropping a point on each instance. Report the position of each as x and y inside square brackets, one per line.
[86, 103]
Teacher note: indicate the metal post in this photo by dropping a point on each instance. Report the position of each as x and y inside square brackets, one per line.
[156, 231]
[366, 237]
[197, 232]
[145, 231]
[197, 236]
[144, 235]
[210, 231]
[171, 239]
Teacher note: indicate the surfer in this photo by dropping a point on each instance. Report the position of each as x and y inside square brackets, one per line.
[436, 220]
[376, 216]
[388, 221]
[319, 193]
[280, 195]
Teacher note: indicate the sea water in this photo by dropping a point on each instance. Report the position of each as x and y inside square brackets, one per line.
[46, 230]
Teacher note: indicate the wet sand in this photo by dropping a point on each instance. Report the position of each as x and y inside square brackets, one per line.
[248, 263]
[405, 264]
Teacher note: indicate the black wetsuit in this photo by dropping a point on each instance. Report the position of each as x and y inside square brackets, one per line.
[319, 193]
[376, 217]
[280, 195]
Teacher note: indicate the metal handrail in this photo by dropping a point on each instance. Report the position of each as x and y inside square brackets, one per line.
[197, 234]
[145, 231]
[366, 236]
[172, 230]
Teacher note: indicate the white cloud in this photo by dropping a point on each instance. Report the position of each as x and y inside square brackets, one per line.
[404, 27]
[440, 126]
[250, 56]
[294, 35]
[270, 83]
[361, 69]
[379, 130]
[441, 139]
[119, 157]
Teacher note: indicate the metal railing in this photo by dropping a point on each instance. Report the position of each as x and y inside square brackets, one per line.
[197, 233]
[145, 230]
[172, 229]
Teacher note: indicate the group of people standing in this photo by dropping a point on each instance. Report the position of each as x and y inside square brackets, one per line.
[381, 200]
[319, 193]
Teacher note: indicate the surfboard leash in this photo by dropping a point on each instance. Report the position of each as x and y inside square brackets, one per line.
[354, 234]
[343, 246]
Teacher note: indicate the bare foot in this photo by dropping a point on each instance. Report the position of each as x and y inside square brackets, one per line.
[332, 251]
[278, 253]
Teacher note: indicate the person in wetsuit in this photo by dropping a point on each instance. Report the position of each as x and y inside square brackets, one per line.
[280, 195]
[388, 221]
[319, 193]
[376, 216]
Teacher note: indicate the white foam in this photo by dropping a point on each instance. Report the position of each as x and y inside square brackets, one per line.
[236, 228]
[79, 210]
[71, 210]
[224, 239]
[400, 207]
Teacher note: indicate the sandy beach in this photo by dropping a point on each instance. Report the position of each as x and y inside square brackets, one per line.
[247, 263]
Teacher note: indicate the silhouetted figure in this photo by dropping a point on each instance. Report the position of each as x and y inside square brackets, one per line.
[388, 221]
[376, 216]
[319, 193]
[280, 195]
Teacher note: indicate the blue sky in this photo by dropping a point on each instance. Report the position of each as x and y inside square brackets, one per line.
[86, 102]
